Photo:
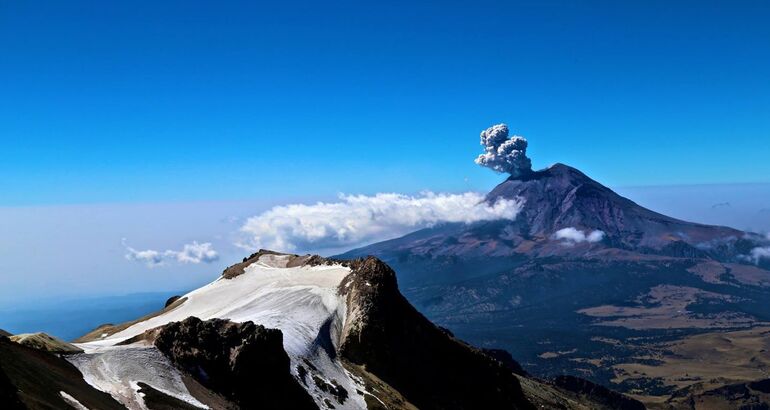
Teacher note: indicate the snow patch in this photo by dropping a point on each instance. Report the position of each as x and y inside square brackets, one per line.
[302, 302]
[117, 370]
[72, 401]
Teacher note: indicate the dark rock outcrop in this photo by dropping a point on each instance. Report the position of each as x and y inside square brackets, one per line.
[242, 361]
[33, 379]
[507, 360]
[157, 400]
[238, 269]
[170, 301]
[390, 339]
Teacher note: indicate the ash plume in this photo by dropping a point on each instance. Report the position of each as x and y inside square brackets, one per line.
[502, 154]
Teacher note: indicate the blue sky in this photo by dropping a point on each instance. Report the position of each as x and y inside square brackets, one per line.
[170, 122]
[190, 100]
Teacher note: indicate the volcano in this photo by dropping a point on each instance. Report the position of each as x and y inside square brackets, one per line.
[584, 281]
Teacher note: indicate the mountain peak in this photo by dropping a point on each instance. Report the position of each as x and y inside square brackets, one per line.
[561, 197]
[557, 170]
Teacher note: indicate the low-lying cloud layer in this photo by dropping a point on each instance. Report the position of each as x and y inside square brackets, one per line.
[359, 219]
[502, 154]
[760, 253]
[191, 253]
[573, 235]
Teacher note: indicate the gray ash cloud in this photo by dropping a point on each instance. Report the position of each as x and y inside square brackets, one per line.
[503, 154]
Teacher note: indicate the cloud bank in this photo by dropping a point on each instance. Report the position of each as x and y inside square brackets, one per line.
[359, 219]
[573, 235]
[191, 253]
[502, 154]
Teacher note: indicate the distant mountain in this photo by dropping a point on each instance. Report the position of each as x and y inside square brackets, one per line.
[286, 331]
[583, 281]
[563, 197]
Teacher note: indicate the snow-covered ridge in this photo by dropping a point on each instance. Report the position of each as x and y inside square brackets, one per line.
[301, 301]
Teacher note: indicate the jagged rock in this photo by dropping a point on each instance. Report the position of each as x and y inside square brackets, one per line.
[34, 379]
[242, 361]
[432, 370]
[504, 357]
[170, 301]
[157, 400]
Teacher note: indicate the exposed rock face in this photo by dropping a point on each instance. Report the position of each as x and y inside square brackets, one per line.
[507, 360]
[157, 400]
[171, 301]
[432, 370]
[8, 392]
[371, 349]
[596, 393]
[242, 361]
[34, 379]
[238, 269]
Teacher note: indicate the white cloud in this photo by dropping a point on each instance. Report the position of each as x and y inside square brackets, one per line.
[149, 257]
[360, 219]
[576, 236]
[195, 253]
[191, 253]
[760, 253]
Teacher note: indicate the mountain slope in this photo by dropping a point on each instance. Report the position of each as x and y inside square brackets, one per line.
[563, 197]
[42, 341]
[593, 279]
[34, 379]
[232, 358]
[337, 337]
[338, 330]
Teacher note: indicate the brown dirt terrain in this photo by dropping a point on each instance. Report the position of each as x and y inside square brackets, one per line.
[665, 307]
[707, 361]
